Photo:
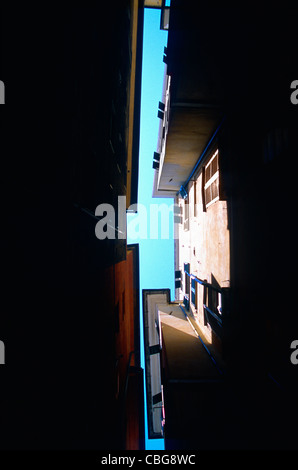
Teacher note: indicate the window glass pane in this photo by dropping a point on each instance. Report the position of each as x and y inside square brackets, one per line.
[214, 189]
[214, 165]
[187, 289]
[207, 173]
[208, 195]
[186, 209]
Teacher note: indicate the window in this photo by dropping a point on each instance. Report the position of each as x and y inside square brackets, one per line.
[212, 302]
[161, 110]
[178, 218]
[186, 214]
[186, 267]
[178, 278]
[194, 293]
[211, 180]
[186, 303]
[165, 19]
[187, 278]
[161, 106]
[195, 199]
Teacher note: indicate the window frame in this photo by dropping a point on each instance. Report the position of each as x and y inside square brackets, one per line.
[213, 176]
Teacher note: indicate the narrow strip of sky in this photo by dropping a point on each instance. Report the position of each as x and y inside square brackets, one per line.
[156, 256]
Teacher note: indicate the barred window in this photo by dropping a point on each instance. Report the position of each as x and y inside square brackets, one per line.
[211, 183]
[186, 279]
[194, 293]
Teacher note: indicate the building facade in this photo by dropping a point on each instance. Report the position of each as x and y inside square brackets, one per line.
[223, 142]
[127, 376]
[181, 374]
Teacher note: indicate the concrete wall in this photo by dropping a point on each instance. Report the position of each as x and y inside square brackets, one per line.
[151, 300]
[205, 244]
[123, 279]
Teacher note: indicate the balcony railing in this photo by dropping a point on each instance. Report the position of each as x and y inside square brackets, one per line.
[215, 301]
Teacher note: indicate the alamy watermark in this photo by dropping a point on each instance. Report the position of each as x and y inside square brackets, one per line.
[2, 92]
[150, 459]
[294, 355]
[2, 353]
[294, 94]
[155, 222]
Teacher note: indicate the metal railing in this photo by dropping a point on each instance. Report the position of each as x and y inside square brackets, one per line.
[214, 316]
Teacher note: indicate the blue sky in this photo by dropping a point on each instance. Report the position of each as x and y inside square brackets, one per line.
[156, 256]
